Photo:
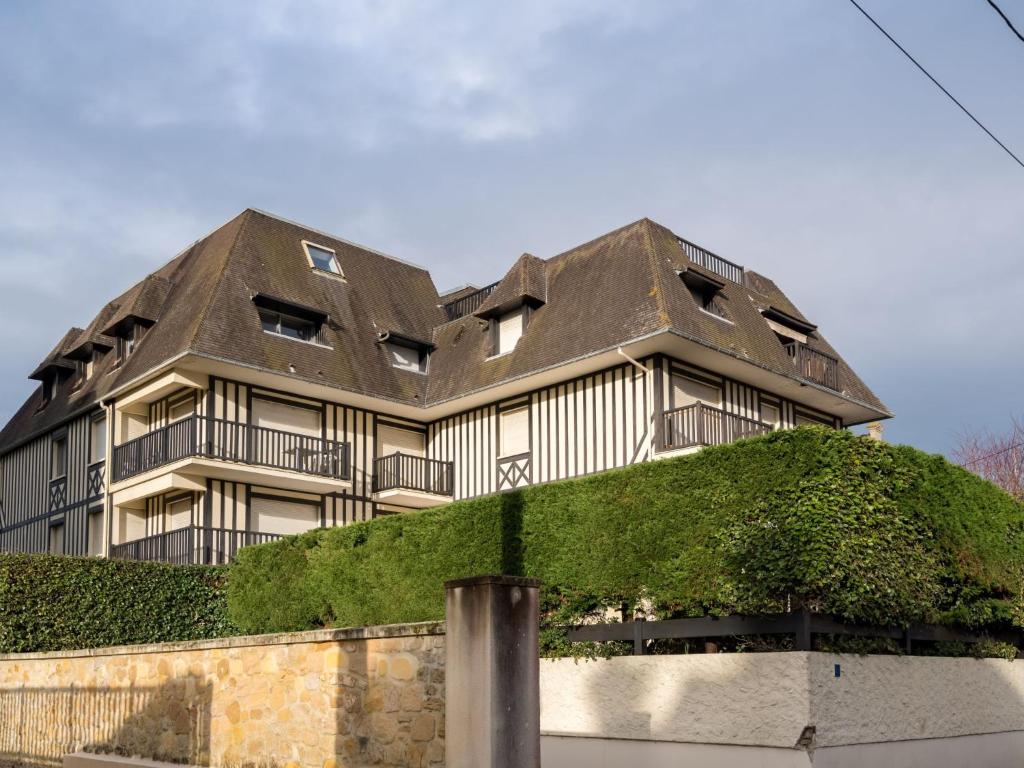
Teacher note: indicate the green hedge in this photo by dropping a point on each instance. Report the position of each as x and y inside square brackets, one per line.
[52, 603]
[815, 517]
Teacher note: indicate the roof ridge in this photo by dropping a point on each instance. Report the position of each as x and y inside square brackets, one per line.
[340, 239]
[593, 240]
[201, 321]
[659, 286]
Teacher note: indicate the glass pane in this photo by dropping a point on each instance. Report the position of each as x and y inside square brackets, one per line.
[269, 321]
[404, 357]
[295, 328]
[323, 259]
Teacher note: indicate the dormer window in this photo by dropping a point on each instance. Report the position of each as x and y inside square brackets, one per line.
[128, 340]
[293, 321]
[407, 355]
[787, 327]
[506, 331]
[706, 292]
[321, 258]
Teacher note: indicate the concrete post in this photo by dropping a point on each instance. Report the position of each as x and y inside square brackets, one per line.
[492, 673]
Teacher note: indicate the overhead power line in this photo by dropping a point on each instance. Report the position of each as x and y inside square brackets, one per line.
[1007, 20]
[1000, 452]
[938, 84]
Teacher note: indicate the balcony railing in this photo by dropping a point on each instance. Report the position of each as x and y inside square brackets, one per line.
[712, 262]
[191, 546]
[413, 473]
[198, 436]
[814, 365]
[700, 424]
[469, 303]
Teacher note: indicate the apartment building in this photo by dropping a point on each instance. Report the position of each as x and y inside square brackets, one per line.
[272, 378]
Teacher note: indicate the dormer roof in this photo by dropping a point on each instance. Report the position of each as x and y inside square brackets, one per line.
[525, 283]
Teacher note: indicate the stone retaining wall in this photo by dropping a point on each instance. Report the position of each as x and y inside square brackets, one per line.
[360, 697]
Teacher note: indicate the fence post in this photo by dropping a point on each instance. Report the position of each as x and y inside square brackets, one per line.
[803, 632]
[492, 689]
[638, 636]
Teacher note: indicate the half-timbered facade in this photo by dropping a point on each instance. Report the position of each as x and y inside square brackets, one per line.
[272, 378]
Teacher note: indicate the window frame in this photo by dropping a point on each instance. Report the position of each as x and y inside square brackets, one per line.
[94, 422]
[336, 273]
[506, 412]
[279, 325]
[423, 356]
[59, 438]
[54, 525]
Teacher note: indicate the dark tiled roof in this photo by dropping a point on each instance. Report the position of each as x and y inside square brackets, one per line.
[612, 290]
[525, 283]
[56, 359]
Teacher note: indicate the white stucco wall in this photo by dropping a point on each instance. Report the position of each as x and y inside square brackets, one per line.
[767, 699]
[740, 699]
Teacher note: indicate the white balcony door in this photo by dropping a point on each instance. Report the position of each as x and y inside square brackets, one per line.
[273, 414]
[284, 516]
[687, 391]
[395, 440]
[179, 513]
[286, 451]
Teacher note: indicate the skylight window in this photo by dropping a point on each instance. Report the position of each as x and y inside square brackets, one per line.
[322, 259]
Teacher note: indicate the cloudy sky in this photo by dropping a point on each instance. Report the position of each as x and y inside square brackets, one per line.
[787, 135]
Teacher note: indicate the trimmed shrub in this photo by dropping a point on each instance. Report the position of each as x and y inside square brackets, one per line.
[807, 517]
[50, 603]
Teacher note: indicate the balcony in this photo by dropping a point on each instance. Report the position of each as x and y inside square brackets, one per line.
[231, 451]
[814, 365]
[412, 481]
[190, 546]
[698, 425]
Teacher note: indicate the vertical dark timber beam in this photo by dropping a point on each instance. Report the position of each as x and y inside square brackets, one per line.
[492, 688]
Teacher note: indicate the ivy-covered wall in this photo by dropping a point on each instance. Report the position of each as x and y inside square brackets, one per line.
[807, 517]
[50, 603]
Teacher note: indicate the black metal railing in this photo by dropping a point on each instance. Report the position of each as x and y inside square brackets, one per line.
[814, 365]
[469, 303]
[58, 494]
[802, 625]
[94, 478]
[193, 545]
[701, 424]
[712, 262]
[414, 473]
[231, 441]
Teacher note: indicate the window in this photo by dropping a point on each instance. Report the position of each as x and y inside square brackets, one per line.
[321, 258]
[507, 330]
[179, 513]
[407, 357]
[128, 341]
[98, 440]
[56, 543]
[290, 320]
[687, 391]
[96, 533]
[58, 456]
[770, 414]
[286, 325]
[181, 408]
[515, 432]
[706, 292]
[284, 516]
[51, 386]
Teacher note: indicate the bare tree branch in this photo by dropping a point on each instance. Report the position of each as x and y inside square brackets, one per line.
[995, 457]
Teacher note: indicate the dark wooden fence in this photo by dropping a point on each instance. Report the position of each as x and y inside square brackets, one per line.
[801, 625]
